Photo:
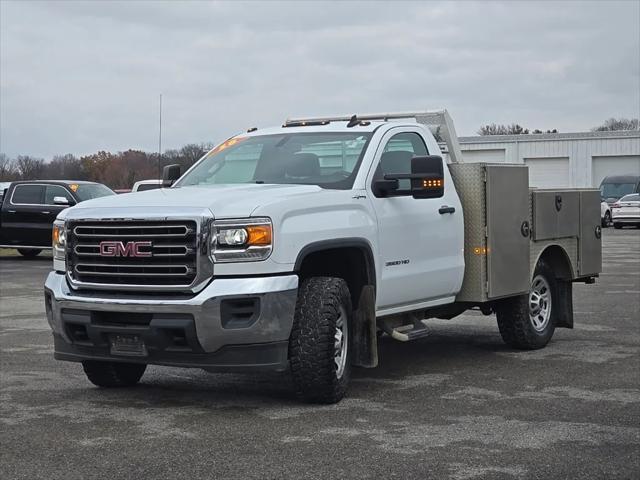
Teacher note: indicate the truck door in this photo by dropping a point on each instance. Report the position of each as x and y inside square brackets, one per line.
[420, 242]
[22, 215]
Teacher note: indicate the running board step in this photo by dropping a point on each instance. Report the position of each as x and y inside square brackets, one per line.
[406, 333]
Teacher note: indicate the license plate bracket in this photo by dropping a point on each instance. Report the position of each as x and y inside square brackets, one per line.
[128, 345]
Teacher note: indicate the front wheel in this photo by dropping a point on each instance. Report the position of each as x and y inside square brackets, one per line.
[528, 321]
[113, 374]
[29, 252]
[319, 346]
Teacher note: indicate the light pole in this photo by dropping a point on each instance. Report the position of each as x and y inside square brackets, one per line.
[160, 140]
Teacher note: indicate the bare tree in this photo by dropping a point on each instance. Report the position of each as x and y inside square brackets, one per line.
[191, 153]
[8, 170]
[513, 129]
[29, 167]
[614, 124]
[117, 170]
[66, 167]
[495, 129]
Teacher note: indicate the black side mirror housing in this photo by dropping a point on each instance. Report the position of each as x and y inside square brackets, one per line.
[383, 187]
[170, 174]
[427, 174]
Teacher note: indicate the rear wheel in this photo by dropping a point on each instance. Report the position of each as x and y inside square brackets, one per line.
[528, 321]
[617, 226]
[113, 374]
[319, 346]
[606, 220]
[29, 252]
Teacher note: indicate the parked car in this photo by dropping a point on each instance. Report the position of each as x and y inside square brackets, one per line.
[605, 214]
[29, 208]
[143, 185]
[290, 247]
[626, 211]
[614, 187]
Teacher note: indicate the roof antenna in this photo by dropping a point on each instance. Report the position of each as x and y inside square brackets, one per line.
[353, 122]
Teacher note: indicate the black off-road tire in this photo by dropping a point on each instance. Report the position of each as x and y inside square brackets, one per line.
[29, 252]
[617, 226]
[113, 374]
[514, 322]
[311, 345]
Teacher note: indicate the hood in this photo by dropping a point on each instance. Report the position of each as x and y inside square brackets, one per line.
[224, 201]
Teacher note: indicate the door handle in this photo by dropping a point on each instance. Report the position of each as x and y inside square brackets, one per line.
[11, 211]
[444, 209]
[46, 212]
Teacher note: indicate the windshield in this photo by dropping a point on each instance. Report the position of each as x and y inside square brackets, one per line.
[89, 191]
[616, 190]
[329, 160]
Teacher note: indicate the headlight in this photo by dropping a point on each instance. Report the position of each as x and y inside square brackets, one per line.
[245, 240]
[59, 244]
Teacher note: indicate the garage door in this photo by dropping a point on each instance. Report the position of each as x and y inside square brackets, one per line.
[488, 156]
[620, 165]
[548, 172]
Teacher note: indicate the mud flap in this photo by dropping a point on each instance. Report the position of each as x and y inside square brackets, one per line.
[564, 314]
[365, 339]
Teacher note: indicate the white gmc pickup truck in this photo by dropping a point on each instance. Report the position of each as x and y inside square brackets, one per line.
[296, 247]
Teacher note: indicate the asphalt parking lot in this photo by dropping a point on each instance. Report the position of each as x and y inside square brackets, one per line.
[458, 404]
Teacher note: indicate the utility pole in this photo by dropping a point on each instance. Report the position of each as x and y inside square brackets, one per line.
[160, 141]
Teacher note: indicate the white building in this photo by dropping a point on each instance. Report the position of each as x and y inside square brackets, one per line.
[561, 159]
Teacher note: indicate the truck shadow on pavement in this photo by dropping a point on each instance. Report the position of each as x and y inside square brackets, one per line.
[427, 363]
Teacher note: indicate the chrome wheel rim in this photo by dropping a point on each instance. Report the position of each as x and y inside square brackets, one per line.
[540, 303]
[341, 341]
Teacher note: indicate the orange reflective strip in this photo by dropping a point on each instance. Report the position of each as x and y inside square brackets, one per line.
[226, 144]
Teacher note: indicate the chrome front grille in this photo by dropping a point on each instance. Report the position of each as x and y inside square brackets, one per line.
[133, 253]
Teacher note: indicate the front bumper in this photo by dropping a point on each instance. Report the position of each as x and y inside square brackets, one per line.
[232, 324]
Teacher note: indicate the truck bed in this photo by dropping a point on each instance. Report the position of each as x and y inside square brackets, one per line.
[509, 225]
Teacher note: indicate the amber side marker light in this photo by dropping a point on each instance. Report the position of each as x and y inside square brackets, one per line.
[437, 183]
[259, 234]
[480, 250]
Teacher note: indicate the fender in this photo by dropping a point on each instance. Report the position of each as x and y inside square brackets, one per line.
[364, 338]
[331, 244]
[564, 274]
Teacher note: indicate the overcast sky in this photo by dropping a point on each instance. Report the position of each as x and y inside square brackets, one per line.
[79, 77]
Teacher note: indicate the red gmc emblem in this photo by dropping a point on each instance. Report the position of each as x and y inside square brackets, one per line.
[121, 249]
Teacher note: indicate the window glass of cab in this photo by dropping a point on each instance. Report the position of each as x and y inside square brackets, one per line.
[27, 194]
[52, 191]
[397, 154]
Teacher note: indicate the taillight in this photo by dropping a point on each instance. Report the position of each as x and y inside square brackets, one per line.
[616, 205]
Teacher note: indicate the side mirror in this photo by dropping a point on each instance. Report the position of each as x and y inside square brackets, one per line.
[60, 201]
[383, 187]
[427, 176]
[170, 174]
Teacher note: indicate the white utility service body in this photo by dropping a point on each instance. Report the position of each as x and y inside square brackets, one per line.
[291, 255]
